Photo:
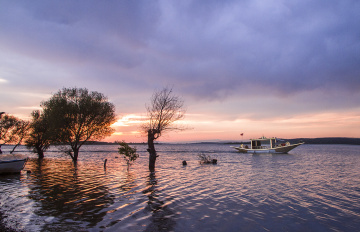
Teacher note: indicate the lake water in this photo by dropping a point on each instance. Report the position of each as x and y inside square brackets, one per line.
[314, 188]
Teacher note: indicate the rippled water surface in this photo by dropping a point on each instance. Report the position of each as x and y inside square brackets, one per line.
[314, 188]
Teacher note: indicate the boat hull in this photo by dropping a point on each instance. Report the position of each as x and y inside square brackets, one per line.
[12, 166]
[278, 150]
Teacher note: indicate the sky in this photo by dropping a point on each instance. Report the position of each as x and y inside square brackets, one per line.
[275, 68]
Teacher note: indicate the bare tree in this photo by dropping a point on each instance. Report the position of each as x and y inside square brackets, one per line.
[164, 110]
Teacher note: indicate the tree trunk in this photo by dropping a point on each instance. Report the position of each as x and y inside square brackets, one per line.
[40, 154]
[76, 154]
[151, 150]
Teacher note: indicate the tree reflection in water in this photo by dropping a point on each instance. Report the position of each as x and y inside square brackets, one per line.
[71, 197]
[162, 216]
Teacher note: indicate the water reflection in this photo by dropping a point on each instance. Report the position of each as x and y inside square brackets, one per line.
[316, 189]
[128, 183]
[9, 195]
[9, 178]
[162, 216]
[67, 195]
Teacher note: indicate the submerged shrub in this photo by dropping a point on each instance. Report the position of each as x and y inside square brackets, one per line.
[128, 152]
[206, 159]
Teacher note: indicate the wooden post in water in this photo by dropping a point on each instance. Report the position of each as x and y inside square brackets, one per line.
[105, 163]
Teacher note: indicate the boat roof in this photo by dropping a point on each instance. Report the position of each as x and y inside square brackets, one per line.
[262, 139]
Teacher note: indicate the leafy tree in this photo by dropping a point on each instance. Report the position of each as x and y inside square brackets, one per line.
[22, 131]
[8, 128]
[128, 152]
[39, 136]
[12, 130]
[76, 116]
[164, 110]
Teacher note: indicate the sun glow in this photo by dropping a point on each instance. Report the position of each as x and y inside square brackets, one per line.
[129, 120]
[204, 127]
[118, 133]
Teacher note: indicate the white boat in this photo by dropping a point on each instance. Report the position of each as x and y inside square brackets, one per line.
[11, 164]
[266, 145]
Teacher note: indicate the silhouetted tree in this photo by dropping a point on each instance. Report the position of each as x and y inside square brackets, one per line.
[164, 109]
[8, 128]
[12, 130]
[22, 131]
[39, 135]
[76, 116]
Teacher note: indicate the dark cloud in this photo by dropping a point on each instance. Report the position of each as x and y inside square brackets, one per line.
[208, 50]
[81, 31]
[287, 48]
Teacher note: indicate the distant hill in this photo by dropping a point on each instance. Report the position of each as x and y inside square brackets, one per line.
[107, 143]
[331, 140]
[328, 140]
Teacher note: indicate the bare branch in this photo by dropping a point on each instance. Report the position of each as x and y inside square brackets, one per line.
[165, 109]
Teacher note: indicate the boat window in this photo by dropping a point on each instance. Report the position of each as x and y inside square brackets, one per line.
[273, 143]
[253, 144]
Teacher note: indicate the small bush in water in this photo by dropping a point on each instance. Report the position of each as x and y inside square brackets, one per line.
[128, 152]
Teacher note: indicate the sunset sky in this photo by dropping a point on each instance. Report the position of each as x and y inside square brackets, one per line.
[274, 68]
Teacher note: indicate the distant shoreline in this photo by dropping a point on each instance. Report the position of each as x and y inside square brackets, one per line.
[325, 140]
[329, 140]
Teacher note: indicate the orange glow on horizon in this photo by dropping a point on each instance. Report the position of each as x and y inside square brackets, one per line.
[128, 120]
[209, 128]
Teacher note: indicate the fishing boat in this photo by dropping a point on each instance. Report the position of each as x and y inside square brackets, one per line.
[266, 145]
[11, 164]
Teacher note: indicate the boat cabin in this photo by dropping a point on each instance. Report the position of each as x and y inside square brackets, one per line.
[267, 145]
[263, 143]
